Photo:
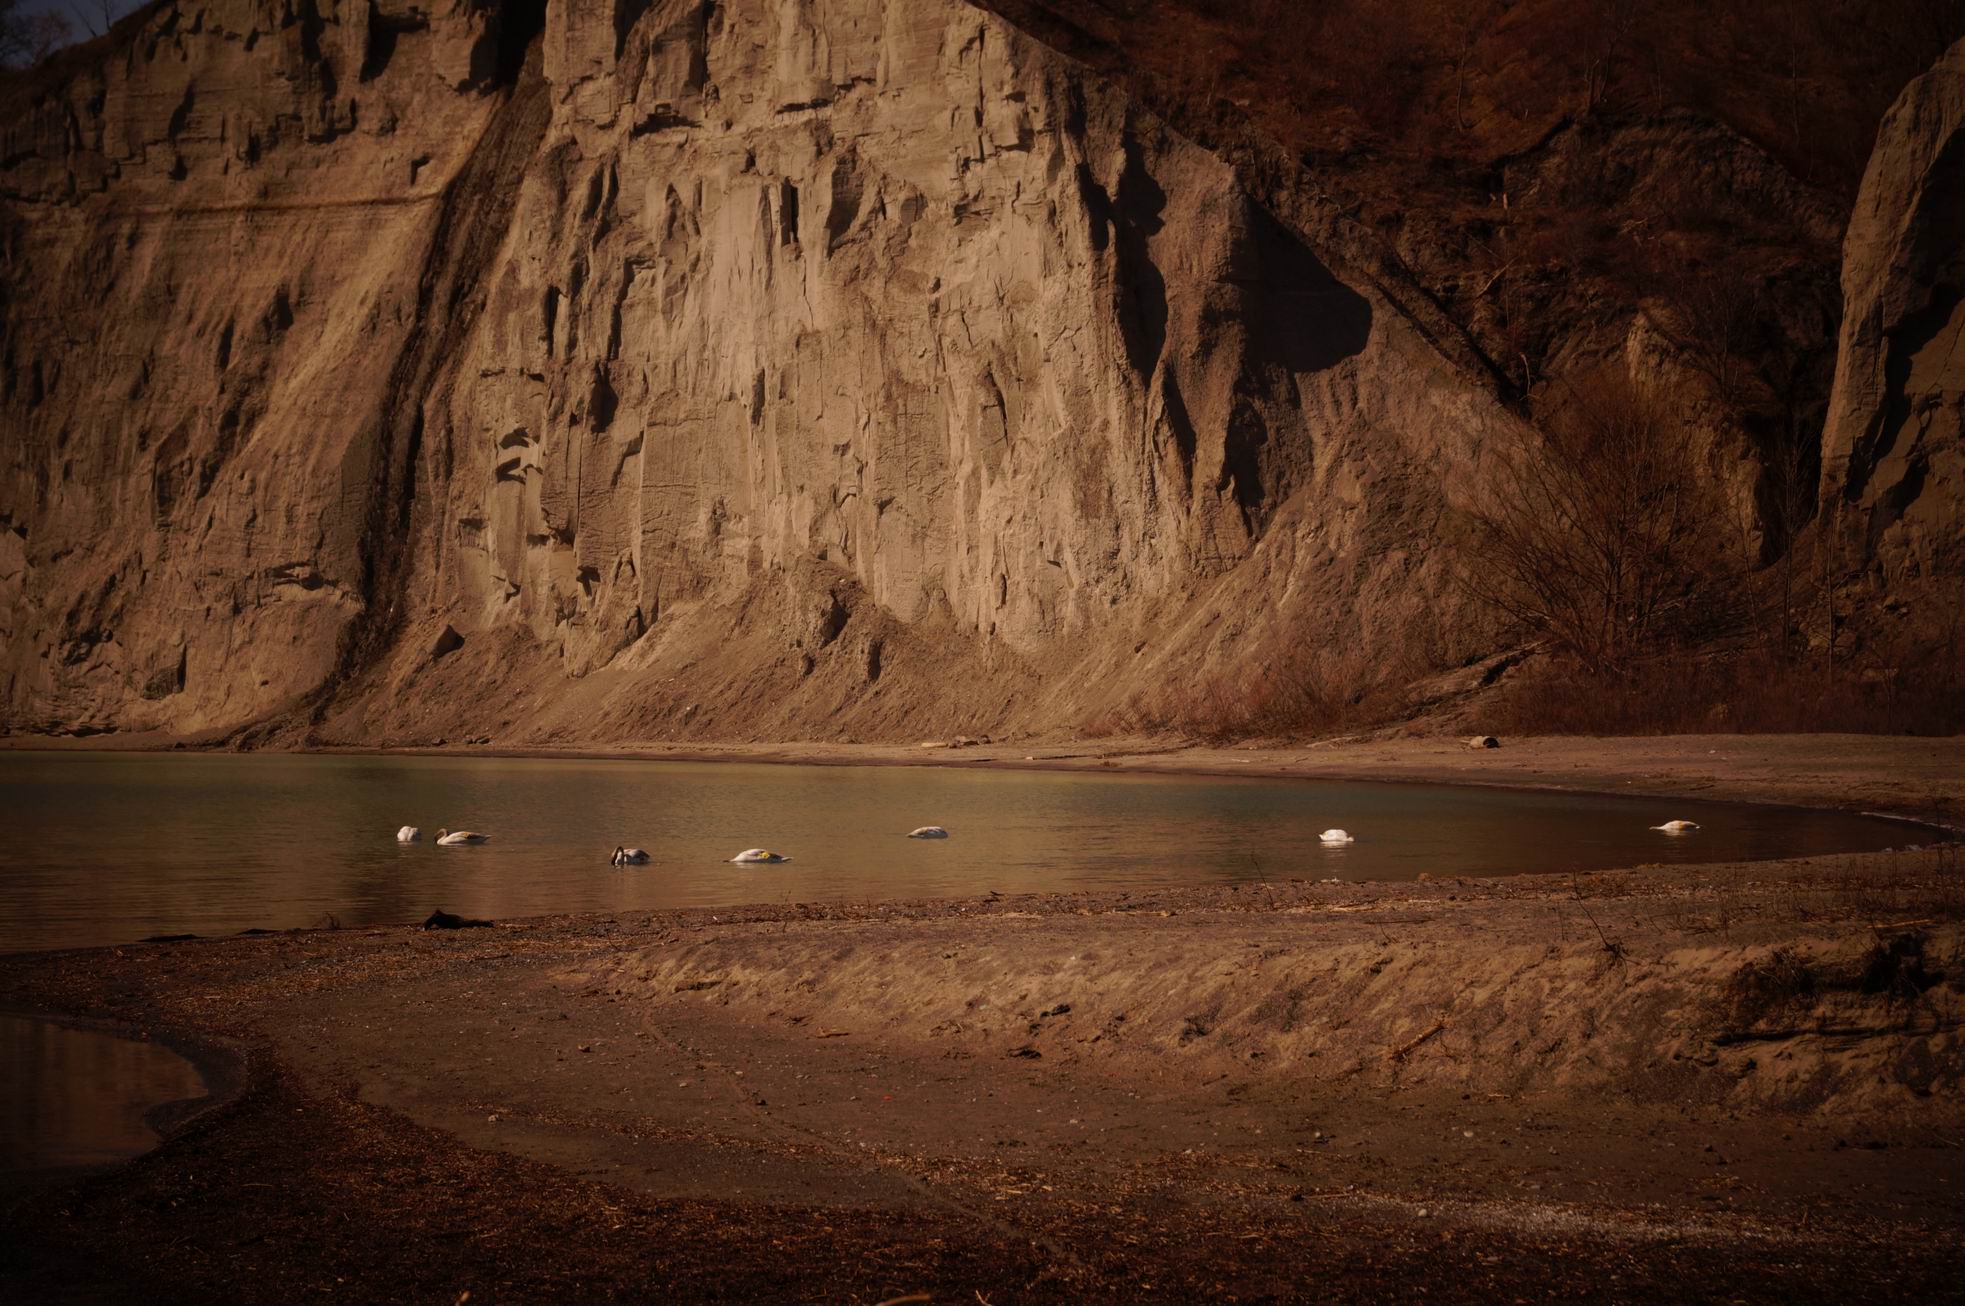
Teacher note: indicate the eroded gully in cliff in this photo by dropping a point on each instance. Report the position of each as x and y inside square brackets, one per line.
[471, 227]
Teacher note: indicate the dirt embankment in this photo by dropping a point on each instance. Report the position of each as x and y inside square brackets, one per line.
[1819, 993]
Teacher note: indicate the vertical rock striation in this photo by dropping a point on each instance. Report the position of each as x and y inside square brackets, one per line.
[1894, 449]
[840, 343]
[220, 230]
[672, 367]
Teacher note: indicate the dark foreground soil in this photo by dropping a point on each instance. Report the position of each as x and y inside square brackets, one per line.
[1694, 1083]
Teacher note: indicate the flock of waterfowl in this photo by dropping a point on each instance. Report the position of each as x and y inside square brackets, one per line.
[623, 856]
[448, 838]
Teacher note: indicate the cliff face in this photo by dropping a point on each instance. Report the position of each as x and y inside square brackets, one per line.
[769, 366]
[650, 368]
[1894, 450]
[221, 241]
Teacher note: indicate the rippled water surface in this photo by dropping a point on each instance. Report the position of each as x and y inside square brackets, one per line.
[108, 847]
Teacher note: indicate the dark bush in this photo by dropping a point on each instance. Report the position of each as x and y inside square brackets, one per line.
[1779, 984]
[1897, 970]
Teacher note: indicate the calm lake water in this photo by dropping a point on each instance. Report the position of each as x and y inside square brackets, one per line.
[75, 1097]
[108, 848]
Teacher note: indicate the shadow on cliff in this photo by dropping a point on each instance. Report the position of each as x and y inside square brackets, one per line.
[1297, 317]
[1297, 320]
[1300, 317]
[1128, 219]
[471, 225]
[1297, 314]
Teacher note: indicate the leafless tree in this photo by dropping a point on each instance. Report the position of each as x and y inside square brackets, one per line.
[1604, 534]
[1613, 27]
[1790, 493]
[26, 38]
[1460, 26]
[97, 16]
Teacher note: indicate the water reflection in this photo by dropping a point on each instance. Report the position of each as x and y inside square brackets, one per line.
[113, 847]
[71, 1097]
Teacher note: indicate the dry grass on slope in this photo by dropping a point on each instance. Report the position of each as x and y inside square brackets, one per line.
[1545, 167]
[1442, 84]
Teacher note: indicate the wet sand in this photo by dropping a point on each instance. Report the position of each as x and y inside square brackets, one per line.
[1645, 1084]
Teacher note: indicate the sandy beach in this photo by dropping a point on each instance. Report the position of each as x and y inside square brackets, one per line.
[1727, 1080]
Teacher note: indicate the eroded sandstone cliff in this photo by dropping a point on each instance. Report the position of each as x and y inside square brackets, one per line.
[227, 234]
[681, 368]
[746, 367]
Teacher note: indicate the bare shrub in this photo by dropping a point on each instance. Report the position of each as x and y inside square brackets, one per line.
[1600, 538]
[1296, 691]
[1897, 970]
[29, 36]
[97, 16]
[1750, 692]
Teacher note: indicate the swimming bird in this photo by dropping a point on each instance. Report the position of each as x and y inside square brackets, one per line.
[450, 840]
[409, 834]
[1677, 827]
[1335, 836]
[759, 855]
[628, 856]
[928, 832]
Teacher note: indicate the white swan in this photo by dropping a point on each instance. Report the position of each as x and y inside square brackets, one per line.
[1677, 827]
[928, 832]
[628, 856]
[1335, 837]
[759, 855]
[450, 840]
[409, 834]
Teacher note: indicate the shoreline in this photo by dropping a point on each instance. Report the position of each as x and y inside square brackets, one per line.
[1633, 769]
[1759, 769]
